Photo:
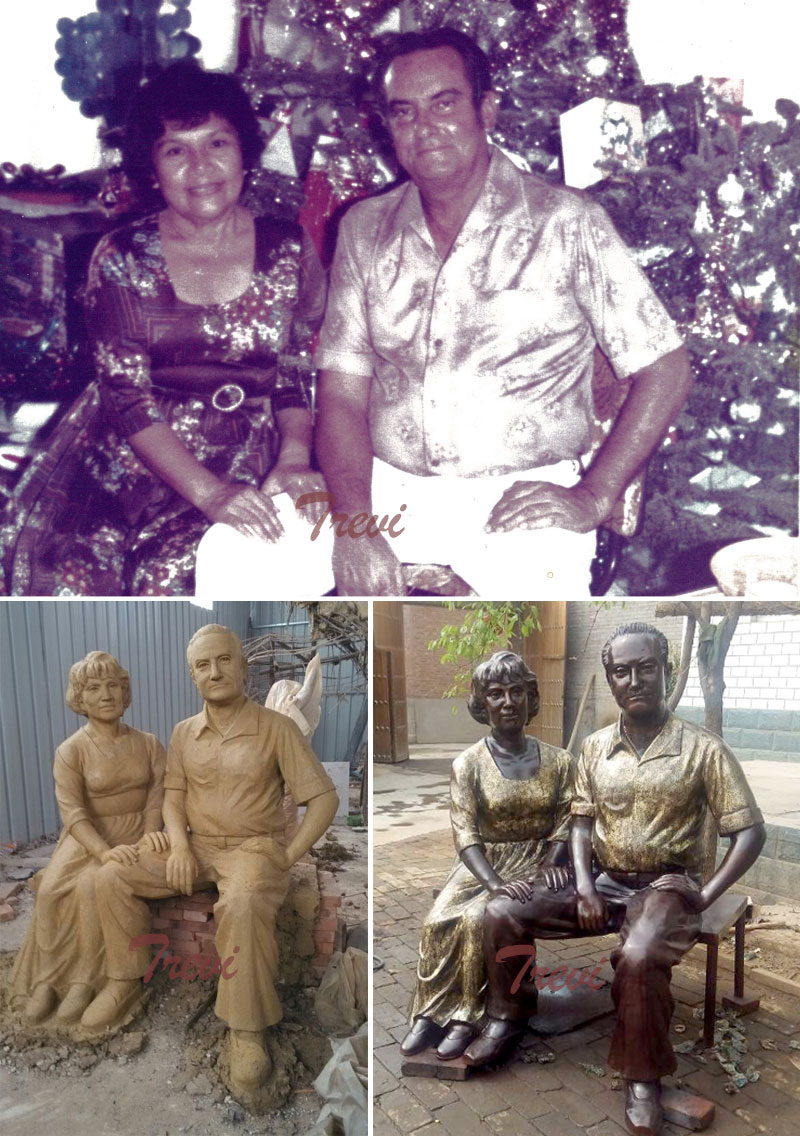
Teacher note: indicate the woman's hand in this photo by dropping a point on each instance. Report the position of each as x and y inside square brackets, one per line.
[245, 509]
[297, 479]
[122, 854]
[154, 842]
[520, 890]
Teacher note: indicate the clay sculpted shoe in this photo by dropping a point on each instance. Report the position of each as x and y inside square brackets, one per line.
[644, 1115]
[423, 1034]
[248, 1061]
[77, 999]
[41, 1003]
[112, 1003]
[496, 1042]
[456, 1040]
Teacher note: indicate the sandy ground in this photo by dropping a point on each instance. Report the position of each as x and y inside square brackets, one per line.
[161, 1075]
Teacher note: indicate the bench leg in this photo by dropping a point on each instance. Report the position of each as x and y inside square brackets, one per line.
[737, 1000]
[709, 1006]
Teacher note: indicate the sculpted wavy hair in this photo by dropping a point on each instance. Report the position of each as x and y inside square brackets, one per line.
[505, 667]
[97, 664]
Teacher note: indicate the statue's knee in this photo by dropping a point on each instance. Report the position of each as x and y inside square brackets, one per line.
[633, 956]
[501, 911]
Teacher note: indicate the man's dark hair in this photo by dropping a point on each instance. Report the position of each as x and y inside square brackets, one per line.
[185, 93]
[637, 629]
[505, 667]
[476, 63]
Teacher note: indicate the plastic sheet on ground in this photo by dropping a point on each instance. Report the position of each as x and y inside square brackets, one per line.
[341, 1002]
[343, 1086]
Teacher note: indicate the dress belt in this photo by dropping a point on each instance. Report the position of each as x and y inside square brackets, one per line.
[223, 387]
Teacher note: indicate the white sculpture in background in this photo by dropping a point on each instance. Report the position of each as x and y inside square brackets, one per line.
[302, 702]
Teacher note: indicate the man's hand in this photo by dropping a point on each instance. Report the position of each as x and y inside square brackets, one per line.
[181, 871]
[122, 854]
[683, 885]
[592, 914]
[154, 842]
[555, 877]
[366, 566]
[542, 505]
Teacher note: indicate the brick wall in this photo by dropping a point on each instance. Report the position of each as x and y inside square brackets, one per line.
[308, 926]
[426, 676]
[762, 689]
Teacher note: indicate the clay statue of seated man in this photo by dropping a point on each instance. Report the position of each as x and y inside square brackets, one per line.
[643, 788]
[226, 772]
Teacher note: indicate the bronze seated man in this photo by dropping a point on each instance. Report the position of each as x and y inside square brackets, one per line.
[643, 788]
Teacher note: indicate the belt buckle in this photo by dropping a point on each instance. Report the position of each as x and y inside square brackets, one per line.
[227, 397]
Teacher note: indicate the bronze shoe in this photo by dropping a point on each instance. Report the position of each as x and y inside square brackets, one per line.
[644, 1115]
[423, 1034]
[456, 1040]
[497, 1041]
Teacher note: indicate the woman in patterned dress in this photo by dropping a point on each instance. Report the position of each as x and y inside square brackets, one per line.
[200, 317]
[110, 787]
[510, 805]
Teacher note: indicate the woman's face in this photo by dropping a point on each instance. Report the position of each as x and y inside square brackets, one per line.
[199, 169]
[506, 706]
[103, 698]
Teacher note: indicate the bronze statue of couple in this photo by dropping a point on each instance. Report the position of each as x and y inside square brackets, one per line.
[552, 849]
[139, 824]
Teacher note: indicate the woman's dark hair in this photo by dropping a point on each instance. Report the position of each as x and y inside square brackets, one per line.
[505, 667]
[476, 63]
[185, 93]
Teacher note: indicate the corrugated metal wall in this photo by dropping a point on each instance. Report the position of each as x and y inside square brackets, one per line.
[39, 641]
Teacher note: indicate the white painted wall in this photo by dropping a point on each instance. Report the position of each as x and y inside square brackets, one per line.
[762, 668]
[673, 40]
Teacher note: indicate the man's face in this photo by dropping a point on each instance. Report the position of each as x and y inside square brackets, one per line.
[636, 677]
[438, 135]
[217, 668]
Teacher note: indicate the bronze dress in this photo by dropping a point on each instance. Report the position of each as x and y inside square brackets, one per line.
[64, 941]
[512, 821]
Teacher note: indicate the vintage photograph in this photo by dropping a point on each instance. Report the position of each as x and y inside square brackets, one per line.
[184, 904]
[586, 822]
[425, 298]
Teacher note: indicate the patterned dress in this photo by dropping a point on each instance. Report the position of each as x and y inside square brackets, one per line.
[512, 821]
[87, 517]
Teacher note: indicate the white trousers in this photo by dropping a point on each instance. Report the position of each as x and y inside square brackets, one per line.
[231, 566]
[443, 524]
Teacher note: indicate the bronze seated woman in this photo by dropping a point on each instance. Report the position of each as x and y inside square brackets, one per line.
[510, 804]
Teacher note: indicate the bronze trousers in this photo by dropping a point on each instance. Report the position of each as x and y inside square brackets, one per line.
[656, 929]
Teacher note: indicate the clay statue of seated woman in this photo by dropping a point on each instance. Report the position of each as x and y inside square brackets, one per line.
[110, 787]
[510, 805]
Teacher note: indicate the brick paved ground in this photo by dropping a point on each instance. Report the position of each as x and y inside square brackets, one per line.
[559, 1098]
